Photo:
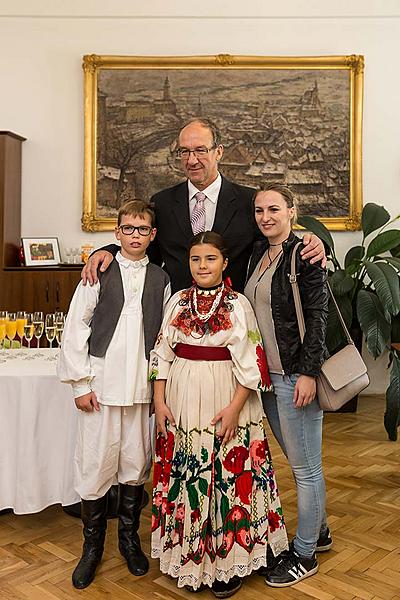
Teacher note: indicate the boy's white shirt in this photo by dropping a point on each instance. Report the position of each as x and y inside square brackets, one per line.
[120, 378]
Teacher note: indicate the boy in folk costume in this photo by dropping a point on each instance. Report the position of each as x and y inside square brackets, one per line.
[110, 330]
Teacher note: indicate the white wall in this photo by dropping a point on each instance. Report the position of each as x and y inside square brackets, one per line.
[41, 48]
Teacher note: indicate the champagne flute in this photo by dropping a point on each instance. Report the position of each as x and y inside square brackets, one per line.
[50, 328]
[11, 327]
[76, 256]
[58, 316]
[21, 320]
[38, 324]
[28, 328]
[3, 321]
[59, 320]
[68, 255]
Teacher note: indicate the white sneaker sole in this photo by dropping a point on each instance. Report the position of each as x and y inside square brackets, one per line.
[308, 574]
[324, 548]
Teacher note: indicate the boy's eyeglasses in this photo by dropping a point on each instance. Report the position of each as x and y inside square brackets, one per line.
[129, 229]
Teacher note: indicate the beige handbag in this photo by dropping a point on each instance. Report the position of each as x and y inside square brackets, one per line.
[342, 375]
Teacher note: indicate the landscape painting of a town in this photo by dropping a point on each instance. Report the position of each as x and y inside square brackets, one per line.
[281, 124]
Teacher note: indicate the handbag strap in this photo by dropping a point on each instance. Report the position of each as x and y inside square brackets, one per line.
[297, 300]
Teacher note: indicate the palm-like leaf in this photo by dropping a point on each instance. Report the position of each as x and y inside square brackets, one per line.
[395, 251]
[373, 322]
[383, 242]
[393, 280]
[386, 284]
[373, 217]
[315, 226]
[341, 283]
[353, 256]
[393, 400]
[395, 337]
[392, 261]
[335, 336]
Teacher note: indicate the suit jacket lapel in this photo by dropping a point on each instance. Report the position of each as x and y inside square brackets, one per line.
[226, 207]
[181, 209]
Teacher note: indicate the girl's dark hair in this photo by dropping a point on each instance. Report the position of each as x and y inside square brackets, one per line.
[212, 238]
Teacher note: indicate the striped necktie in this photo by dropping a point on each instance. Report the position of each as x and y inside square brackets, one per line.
[198, 218]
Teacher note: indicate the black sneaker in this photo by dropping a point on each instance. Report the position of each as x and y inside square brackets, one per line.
[272, 562]
[325, 542]
[291, 570]
[220, 589]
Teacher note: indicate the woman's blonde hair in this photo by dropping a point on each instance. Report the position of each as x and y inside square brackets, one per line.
[284, 191]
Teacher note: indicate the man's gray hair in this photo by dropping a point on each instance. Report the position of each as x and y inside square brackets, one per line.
[208, 124]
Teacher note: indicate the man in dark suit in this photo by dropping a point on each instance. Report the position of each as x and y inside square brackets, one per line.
[226, 208]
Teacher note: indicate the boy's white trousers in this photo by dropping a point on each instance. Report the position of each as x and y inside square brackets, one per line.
[113, 446]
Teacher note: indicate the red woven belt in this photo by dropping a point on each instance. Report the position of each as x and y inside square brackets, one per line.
[201, 352]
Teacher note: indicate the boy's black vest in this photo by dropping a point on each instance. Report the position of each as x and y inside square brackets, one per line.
[111, 301]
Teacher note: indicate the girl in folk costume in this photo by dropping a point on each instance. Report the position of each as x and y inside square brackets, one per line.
[215, 498]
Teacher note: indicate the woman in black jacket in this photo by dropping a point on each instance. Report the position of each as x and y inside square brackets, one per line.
[293, 412]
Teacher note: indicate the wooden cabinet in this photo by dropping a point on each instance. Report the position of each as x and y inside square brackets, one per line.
[38, 289]
[25, 288]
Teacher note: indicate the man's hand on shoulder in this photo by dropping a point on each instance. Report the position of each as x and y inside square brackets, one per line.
[314, 250]
[101, 258]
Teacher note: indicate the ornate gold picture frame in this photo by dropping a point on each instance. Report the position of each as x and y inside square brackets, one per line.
[291, 119]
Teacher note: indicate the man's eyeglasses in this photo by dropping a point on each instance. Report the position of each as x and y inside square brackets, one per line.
[198, 152]
[129, 229]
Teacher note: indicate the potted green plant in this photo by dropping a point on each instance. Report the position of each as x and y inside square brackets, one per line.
[367, 290]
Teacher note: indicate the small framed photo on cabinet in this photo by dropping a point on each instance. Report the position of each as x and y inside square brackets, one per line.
[41, 252]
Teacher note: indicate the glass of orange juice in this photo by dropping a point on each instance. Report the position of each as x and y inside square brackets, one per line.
[11, 327]
[3, 321]
[21, 322]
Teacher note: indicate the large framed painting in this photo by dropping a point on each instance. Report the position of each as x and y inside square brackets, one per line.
[296, 120]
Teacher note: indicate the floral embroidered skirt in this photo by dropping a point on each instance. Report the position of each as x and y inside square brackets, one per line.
[214, 507]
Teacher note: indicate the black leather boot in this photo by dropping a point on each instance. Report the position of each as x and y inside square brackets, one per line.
[94, 517]
[130, 504]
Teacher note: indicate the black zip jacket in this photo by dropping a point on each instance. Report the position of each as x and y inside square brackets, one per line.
[308, 357]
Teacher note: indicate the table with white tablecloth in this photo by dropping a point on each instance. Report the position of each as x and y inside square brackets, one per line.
[37, 432]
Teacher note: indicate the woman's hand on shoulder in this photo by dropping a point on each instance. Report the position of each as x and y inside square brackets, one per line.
[304, 391]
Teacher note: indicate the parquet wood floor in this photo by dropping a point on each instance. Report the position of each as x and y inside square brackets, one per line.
[38, 552]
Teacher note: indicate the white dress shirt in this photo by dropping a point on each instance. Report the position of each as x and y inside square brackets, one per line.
[120, 377]
[210, 203]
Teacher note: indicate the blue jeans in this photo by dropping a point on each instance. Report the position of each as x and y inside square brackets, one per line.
[299, 434]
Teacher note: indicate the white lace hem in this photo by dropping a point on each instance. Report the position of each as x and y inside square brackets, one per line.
[207, 577]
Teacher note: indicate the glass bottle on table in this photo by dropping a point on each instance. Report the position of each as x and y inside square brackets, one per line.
[50, 328]
[38, 326]
[11, 327]
[28, 328]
